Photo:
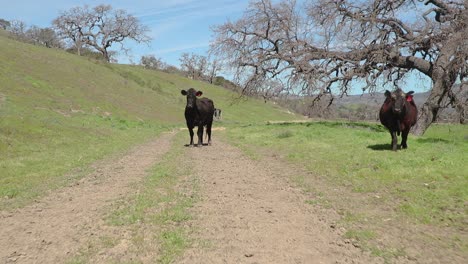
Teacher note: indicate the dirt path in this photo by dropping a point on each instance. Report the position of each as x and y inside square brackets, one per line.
[248, 213]
[56, 226]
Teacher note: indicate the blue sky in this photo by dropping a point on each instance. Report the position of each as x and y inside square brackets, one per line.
[176, 26]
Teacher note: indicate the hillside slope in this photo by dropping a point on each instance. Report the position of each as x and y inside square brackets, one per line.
[60, 112]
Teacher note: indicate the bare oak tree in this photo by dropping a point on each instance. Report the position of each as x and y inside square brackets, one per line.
[194, 65]
[151, 62]
[18, 28]
[334, 45]
[213, 68]
[43, 36]
[71, 24]
[100, 28]
[187, 64]
[4, 24]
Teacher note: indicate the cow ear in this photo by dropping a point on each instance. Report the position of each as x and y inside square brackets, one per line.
[199, 93]
[183, 92]
[387, 93]
[409, 96]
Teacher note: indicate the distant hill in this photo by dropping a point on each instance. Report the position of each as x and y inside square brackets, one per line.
[360, 107]
[376, 99]
[373, 102]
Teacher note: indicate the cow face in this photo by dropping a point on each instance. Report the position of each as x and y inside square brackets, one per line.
[397, 100]
[192, 95]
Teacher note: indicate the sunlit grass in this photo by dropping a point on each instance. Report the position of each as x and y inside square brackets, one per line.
[428, 181]
[39, 153]
[368, 184]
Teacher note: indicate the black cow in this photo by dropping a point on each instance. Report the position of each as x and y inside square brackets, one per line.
[398, 114]
[198, 112]
[217, 113]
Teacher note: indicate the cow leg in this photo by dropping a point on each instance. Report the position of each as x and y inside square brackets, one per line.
[191, 135]
[394, 140]
[200, 136]
[404, 136]
[208, 132]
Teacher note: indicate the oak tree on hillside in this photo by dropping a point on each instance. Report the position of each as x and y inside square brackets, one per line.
[32, 34]
[199, 67]
[18, 28]
[70, 25]
[213, 68]
[4, 24]
[43, 36]
[332, 45]
[193, 65]
[151, 62]
[100, 27]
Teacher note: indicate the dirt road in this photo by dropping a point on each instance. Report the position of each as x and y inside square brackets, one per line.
[55, 227]
[248, 213]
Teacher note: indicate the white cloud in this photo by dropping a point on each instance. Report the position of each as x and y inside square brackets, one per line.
[183, 47]
[186, 14]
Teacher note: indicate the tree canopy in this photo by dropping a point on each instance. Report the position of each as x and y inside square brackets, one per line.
[328, 45]
[100, 27]
[4, 24]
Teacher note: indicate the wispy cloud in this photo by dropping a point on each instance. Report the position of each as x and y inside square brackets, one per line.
[182, 8]
[186, 12]
[183, 48]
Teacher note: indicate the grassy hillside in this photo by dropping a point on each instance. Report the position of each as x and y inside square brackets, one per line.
[60, 112]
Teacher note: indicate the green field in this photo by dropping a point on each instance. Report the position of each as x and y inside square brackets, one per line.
[60, 112]
[351, 168]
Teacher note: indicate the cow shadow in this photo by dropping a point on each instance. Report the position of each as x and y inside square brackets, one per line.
[381, 147]
[432, 140]
[333, 124]
[195, 146]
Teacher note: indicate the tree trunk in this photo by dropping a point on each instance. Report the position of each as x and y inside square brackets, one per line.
[443, 80]
[427, 113]
[105, 54]
[78, 45]
[460, 106]
[462, 109]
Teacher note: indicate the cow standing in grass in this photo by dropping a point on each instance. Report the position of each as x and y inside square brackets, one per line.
[198, 112]
[217, 113]
[398, 114]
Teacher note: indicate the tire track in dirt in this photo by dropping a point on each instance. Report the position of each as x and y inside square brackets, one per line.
[55, 227]
[248, 213]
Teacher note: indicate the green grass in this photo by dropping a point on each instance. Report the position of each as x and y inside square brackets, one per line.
[429, 180]
[426, 184]
[60, 112]
[38, 151]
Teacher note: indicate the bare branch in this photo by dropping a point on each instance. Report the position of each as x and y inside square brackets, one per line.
[330, 45]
